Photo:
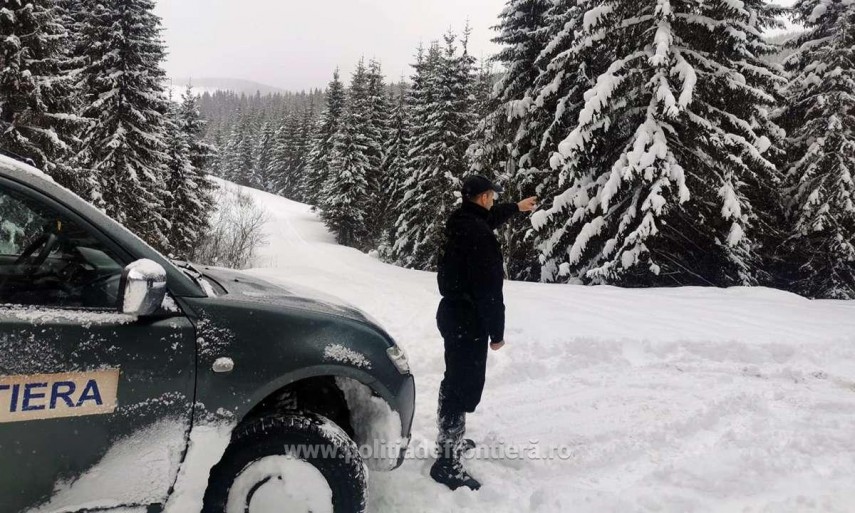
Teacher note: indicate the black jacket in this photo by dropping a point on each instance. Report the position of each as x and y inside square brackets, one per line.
[471, 268]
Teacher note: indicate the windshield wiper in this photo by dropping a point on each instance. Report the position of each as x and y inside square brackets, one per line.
[190, 270]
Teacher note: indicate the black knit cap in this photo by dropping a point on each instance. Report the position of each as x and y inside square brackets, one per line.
[478, 184]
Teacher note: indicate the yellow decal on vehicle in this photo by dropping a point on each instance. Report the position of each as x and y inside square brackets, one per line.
[50, 396]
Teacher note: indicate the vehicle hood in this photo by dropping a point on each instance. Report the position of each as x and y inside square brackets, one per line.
[248, 288]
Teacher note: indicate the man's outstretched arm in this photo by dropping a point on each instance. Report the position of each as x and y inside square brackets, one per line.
[501, 212]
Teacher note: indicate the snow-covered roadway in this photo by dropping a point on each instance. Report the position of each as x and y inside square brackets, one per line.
[666, 400]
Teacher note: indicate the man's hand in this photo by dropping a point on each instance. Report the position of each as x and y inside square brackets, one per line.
[495, 346]
[528, 204]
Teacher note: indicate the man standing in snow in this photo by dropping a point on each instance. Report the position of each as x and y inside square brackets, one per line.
[472, 311]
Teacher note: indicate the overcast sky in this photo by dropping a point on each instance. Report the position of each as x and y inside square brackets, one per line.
[296, 44]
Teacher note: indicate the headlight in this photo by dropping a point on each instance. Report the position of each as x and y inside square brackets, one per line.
[399, 358]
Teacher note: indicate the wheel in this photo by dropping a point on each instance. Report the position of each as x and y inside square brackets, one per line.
[288, 463]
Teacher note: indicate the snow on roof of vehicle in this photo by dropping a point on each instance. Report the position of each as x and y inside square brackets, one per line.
[9, 163]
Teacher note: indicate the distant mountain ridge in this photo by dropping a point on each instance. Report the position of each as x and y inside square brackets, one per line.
[211, 84]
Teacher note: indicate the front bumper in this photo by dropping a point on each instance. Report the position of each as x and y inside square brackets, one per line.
[405, 405]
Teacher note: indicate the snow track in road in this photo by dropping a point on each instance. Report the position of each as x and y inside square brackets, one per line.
[668, 400]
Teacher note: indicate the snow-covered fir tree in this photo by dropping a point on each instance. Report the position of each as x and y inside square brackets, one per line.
[668, 176]
[191, 198]
[37, 92]
[551, 108]
[508, 139]
[189, 201]
[346, 197]
[442, 122]
[377, 134]
[202, 154]
[285, 173]
[820, 177]
[297, 154]
[227, 147]
[317, 169]
[125, 103]
[411, 215]
[237, 160]
[259, 177]
[179, 171]
[304, 146]
[394, 167]
[279, 178]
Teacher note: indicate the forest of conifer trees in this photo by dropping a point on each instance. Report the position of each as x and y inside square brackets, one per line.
[82, 97]
[667, 144]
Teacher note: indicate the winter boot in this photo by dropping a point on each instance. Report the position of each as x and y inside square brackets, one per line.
[450, 472]
[448, 469]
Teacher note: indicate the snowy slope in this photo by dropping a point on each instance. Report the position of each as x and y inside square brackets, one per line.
[669, 400]
[211, 85]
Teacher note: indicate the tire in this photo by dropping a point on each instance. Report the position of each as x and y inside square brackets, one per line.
[269, 442]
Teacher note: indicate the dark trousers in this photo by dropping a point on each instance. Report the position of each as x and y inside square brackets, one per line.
[465, 356]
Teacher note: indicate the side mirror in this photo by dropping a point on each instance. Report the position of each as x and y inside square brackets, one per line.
[142, 288]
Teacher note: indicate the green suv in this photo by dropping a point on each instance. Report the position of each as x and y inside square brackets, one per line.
[130, 382]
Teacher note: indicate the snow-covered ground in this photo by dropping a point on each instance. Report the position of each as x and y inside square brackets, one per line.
[666, 400]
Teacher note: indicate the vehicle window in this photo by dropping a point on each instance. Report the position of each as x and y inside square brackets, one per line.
[47, 260]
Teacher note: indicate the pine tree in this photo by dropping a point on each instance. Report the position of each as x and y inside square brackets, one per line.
[317, 170]
[411, 213]
[508, 141]
[394, 168]
[124, 99]
[289, 153]
[179, 171]
[304, 147]
[295, 155]
[190, 202]
[667, 175]
[820, 123]
[243, 165]
[226, 158]
[202, 154]
[194, 193]
[442, 123]
[278, 172]
[238, 159]
[377, 133]
[346, 195]
[262, 158]
[37, 91]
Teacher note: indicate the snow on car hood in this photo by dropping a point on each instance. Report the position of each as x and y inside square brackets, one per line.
[245, 287]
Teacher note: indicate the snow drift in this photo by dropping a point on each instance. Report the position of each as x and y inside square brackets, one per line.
[692, 399]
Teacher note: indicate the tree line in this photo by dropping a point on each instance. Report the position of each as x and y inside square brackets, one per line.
[82, 97]
[263, 140]
[379, 161]
[667, 145]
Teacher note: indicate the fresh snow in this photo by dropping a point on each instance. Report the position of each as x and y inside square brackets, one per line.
[42, 315]
[17, 165]
[135, 470]
[342, 354]
[290, 484]
[208, 443]
[373, 421]
[671, 400]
